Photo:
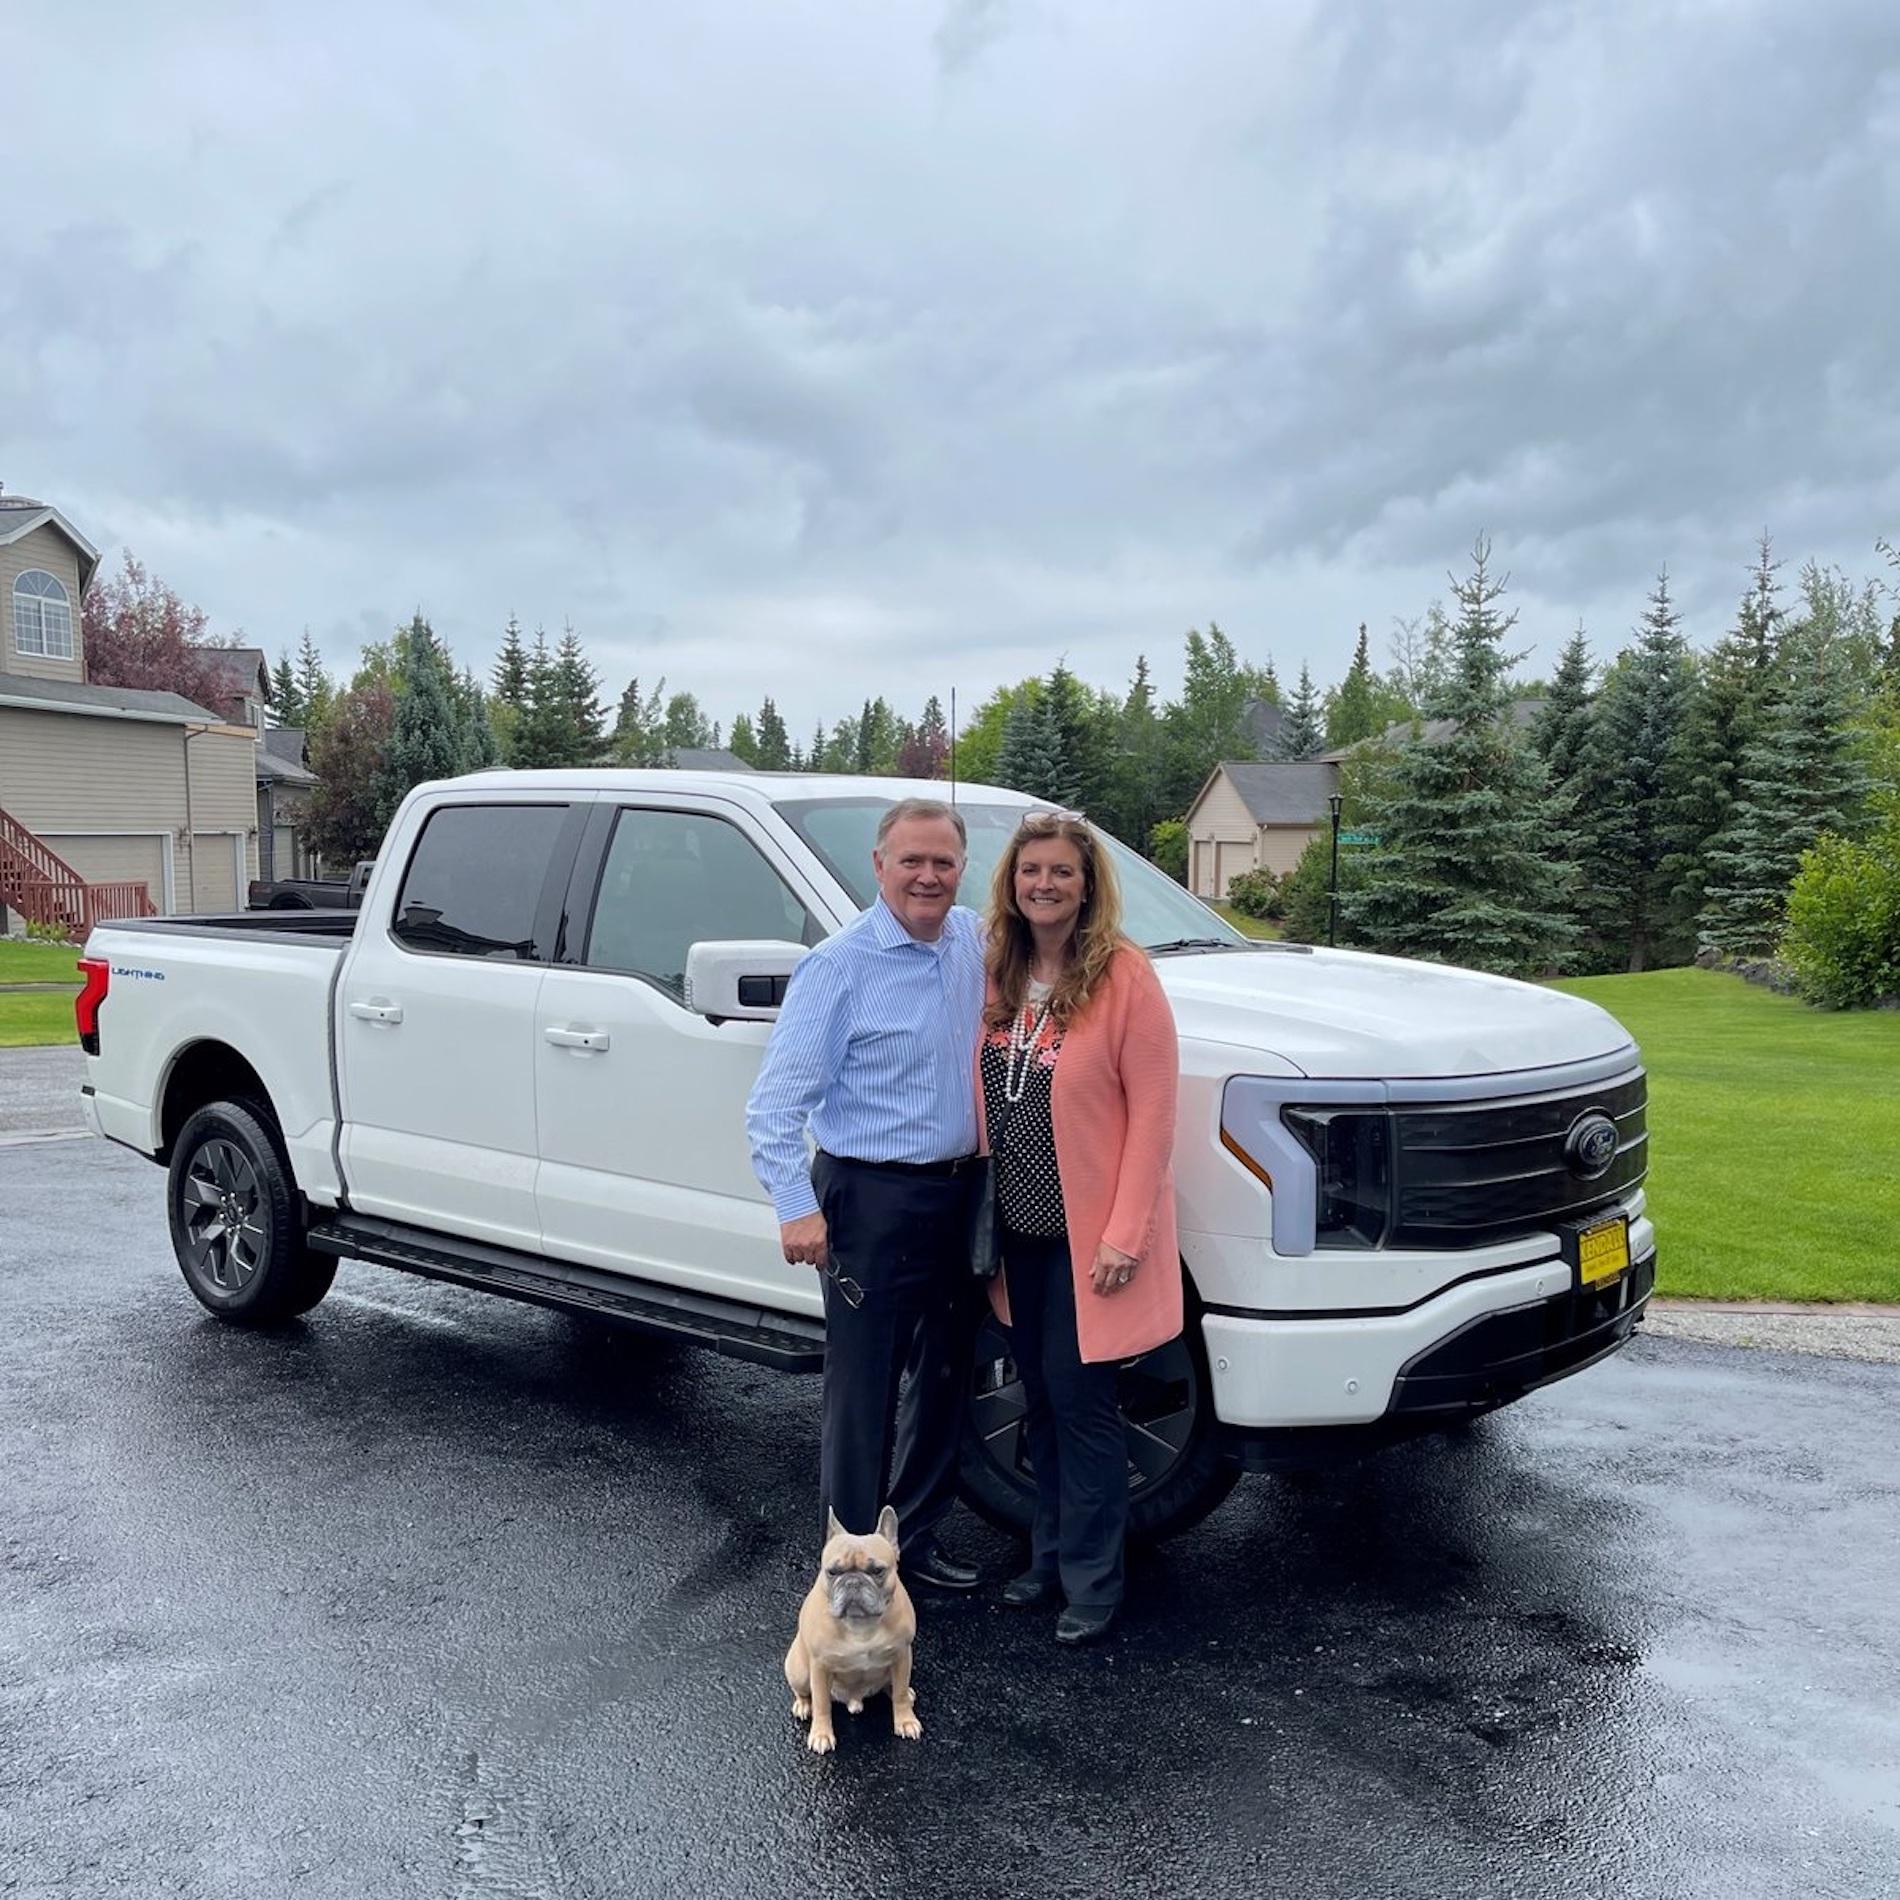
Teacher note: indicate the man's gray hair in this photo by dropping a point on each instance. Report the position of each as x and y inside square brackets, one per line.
[923, 808]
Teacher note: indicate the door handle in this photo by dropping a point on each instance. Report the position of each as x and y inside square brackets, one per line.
[377, 1012]
[591, 1042]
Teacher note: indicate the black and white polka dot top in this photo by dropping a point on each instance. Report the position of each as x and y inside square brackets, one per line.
[1028, 1188]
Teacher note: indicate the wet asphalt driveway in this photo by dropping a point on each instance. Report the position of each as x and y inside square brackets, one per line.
[433, 1595]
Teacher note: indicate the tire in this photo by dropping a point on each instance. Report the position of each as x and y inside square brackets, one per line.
[237, 1219]
[1177, 1471]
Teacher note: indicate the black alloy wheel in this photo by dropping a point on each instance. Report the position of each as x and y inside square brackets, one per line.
[237, 1218]
[1177, 1472]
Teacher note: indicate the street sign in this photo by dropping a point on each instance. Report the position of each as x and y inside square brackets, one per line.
[1358, 837]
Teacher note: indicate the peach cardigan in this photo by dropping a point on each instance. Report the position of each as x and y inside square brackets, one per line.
[1112, 1101]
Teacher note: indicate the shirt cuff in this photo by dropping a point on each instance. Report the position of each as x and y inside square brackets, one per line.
[795, 1200]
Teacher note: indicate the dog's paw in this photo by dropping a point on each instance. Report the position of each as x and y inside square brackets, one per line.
[821, 1741]
[854, 1708]
[801, 1707]
[907, 1727]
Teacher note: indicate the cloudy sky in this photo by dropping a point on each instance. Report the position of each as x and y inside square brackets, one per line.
[825, 349]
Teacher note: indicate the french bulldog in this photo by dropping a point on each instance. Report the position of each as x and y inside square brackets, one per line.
[855, 1630]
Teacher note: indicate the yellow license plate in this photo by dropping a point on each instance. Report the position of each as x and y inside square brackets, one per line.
[1603, 1251]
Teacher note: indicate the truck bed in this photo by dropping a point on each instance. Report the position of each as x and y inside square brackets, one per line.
[252, 926]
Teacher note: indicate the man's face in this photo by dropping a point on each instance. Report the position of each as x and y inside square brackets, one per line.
[919, 866]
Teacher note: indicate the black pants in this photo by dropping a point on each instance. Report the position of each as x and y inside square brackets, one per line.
[902, 1237]
[1074, 1427]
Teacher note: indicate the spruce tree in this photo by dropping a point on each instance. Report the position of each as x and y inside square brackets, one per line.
[315, 694]
[1622, 817]
[775, 746]
[1017, 757]
[1466, 869]
[1562, 727]
[287, 704]
[1799, 779]
[1356, 708]
[1130, 797]
[639, 734]
[541, 734]
[480, 744]
[510, 677]
[1302, 732]
[426, 740]
[744, 742]
[577, 688]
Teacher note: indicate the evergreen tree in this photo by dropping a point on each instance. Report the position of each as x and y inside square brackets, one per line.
[1356, 708]
[426, 740]
[639, 734]
[577, 687]
[1621, 791]
[480, 744]
[1207, 724]
[1302, 734]
[1465, 871]
[775, 745]
[980, 744]
[541, 734]
[315, 694]
[510, 677]
[1129, 796]
[1799, 779]
[875, 748]
[286, 706]
[1016, 757]
[1078, 748]
[744, 742]
[815, 756]
[1563, 726]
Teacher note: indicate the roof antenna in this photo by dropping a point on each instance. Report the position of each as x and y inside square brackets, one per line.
[953, 745]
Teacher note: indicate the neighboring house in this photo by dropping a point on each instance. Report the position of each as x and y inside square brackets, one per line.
[1260, 814]
[114, 785]
[707, 758]
[1254, 815]
[284, 783]
[245, 675]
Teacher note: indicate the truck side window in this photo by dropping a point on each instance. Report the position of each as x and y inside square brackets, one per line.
[676, 878]
[475, 879]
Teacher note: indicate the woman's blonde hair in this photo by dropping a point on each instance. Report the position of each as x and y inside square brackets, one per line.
[1098, 926]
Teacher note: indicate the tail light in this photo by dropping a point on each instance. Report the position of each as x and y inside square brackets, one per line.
[98, 975]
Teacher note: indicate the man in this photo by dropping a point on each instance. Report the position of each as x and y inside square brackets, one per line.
[874, 1051]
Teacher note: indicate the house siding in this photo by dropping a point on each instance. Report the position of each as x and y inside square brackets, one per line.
[45, 548]
[1222, 838]
[64, 773]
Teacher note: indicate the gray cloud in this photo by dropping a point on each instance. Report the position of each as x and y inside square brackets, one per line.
[887, 350]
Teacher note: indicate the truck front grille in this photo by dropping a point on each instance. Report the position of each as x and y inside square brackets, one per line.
[1464, 1174]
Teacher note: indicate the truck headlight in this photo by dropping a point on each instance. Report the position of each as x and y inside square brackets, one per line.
[1351, 1153]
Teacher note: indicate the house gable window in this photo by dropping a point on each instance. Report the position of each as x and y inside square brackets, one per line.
[42, 617]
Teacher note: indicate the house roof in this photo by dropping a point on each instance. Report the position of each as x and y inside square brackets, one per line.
[708, 759]
[1282, 792]
[1263, 721]
[21, 514]
[280, 758]
[1523, 712]
[242, 669]
[107, 702]
[286, 743]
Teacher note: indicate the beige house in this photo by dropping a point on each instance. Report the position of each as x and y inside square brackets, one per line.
[117, 786]
[1255, 815]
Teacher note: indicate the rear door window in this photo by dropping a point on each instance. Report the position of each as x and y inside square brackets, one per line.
[475, 881]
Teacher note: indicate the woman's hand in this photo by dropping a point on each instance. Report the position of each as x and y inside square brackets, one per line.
[1113, 1269]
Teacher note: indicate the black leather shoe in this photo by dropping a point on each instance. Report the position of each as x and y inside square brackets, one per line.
[931, 1567]
[1030, 1591]
[1082, 1623]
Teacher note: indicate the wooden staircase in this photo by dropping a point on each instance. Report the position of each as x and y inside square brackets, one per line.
[37, 882]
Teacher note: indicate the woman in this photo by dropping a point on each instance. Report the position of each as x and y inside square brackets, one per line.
[1077, 1072]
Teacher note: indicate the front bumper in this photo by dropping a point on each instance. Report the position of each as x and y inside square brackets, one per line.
[1472, 1346]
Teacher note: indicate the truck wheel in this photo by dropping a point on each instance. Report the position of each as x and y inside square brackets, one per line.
[236, 1218]
[1177, 1471]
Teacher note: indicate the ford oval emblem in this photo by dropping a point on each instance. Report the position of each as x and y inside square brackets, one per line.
[1590, 1147]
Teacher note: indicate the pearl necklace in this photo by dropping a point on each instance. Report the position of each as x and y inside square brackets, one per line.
[1024, 1046]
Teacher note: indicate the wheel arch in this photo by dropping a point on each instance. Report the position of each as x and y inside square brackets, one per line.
[206, 1071]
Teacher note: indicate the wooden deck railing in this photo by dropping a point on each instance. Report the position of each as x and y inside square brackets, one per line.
[37, 882]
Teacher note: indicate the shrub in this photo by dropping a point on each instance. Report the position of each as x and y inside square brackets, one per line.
[1256, 894]
[1843, 936]
[1168, 847]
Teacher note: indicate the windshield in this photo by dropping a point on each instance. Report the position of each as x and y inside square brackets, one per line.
[1156, 911]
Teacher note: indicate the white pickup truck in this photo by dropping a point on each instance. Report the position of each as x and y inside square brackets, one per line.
[1408, 1194]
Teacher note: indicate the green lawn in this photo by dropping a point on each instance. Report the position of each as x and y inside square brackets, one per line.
[34, 1017]
[38, 962]
[1248, 926]
[1774, 1138]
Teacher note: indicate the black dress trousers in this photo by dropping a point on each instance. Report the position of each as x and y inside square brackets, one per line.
[897, 1365]
[1077, 1443]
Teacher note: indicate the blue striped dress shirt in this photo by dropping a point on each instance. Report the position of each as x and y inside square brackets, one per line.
[873, 1051]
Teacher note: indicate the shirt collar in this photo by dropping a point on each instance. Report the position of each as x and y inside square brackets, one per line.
[888, 932]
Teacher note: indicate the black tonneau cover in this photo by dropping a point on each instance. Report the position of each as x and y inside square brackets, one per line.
[329, 929]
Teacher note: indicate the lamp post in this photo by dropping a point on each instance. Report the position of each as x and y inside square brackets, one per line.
[1332, 886]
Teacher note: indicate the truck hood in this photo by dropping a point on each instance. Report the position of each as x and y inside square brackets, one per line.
[1342, 1013]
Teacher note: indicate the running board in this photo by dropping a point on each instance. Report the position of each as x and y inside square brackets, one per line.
[784, 1340]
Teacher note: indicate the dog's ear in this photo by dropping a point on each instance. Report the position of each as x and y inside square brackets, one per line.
[887, 1526]
[832, 1527]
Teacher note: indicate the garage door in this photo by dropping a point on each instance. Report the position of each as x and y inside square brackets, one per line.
[133, 859]
[214, 875]
[1233, 859]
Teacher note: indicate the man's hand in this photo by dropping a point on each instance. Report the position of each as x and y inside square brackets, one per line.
[806, 1239]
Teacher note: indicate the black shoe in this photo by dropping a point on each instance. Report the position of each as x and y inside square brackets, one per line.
[1085, 1623]
[1030, 1591]
[931, 1567]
